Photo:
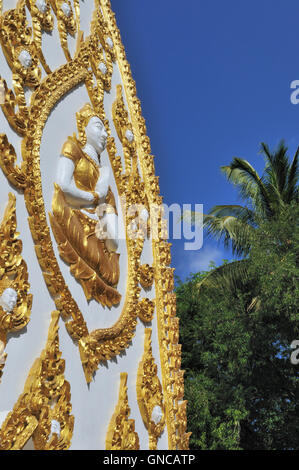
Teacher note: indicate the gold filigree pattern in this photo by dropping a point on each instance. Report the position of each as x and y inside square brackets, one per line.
[67, 22]
[16, 38]
[146, 308]
[146, 275]
[41, 21]
[121, 434]
[46, 397]
[149, 393]
[13, 275]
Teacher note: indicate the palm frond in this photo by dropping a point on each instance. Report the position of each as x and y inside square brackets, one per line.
[241, 212]
[291, 192]
[277, 167]
[252, 184]
[247, 188]
[229, 276]
[233, 231]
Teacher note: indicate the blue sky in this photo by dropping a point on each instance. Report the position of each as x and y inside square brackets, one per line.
[214, 81]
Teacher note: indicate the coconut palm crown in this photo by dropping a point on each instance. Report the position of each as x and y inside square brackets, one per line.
[264, 197]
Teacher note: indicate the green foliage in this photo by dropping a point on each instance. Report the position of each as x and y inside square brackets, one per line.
[241, 387]
[215, 351]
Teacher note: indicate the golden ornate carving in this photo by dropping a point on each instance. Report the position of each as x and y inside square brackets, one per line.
[149, 393]
[15, 175]
[123, 126]
[182, 437]
[67, 22]
[28, 119]
[40, 21]
[16, 39]
[121, 434]
[146, 273]
[100, 344]
[13, 278]
[46, 397]
[146, 308]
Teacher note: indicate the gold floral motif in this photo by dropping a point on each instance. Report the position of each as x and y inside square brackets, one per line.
[40, 21]
[100, 29]
[182, 437]
[15, 175]
[146, 274]
[13, 275]
[66, 23]
[46, 397]
[146, 308]
[121, 434]
[16, 37]
[122, 126]
[149, 393]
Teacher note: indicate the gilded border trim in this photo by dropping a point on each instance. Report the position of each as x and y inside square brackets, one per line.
[168, 332]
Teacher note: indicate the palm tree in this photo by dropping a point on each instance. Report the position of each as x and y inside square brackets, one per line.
[265, 197]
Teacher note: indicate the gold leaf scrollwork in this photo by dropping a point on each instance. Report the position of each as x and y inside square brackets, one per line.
[41, 20]
[28, 119]
[146, 308]
[17, 40]
[43, 409]
[124, 129]
[121, 434]
[67, 23]
[149, 394]
[183, 437]
[146, 274]
[16, 309]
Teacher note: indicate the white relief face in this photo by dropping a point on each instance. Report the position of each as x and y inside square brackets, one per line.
[96, 134]
[66, 9]
[103, 68]
[129, 135]
[25, 59]
[8, 299]
[55, 427]
[157, 414]
[41, 5]
[109, 42]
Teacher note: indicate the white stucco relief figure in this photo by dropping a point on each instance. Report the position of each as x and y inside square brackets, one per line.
[84, 215]
[96, 139]
[41, 5]
[8, 299]
[25, 59]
